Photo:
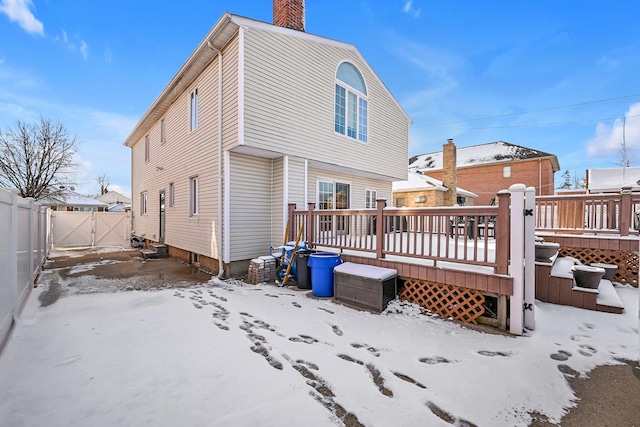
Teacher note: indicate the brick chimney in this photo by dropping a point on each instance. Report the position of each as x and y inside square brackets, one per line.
[289, 14]
[450, 172]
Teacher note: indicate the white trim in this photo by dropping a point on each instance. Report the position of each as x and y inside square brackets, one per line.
[227, 190]
[241, 86]
[306, 183]
[285, 190]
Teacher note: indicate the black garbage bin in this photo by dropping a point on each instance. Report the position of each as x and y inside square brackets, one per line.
[303, 269]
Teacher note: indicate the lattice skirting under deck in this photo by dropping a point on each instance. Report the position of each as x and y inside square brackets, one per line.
[447, 301]
[627, 262]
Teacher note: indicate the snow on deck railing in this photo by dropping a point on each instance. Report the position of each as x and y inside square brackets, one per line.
[617, 214]
[466, 235]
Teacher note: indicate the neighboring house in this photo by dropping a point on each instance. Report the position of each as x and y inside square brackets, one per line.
[488, 168]
[116, 202]
[421, 191]
[612, 180]
[258, 117]
[73, 202]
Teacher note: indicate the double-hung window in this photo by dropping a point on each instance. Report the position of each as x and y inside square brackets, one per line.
[193, 111]
[351, 104]
[370, 197]
[193, 196]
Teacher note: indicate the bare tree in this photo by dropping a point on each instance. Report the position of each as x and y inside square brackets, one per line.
[104, 184]
[37, 158]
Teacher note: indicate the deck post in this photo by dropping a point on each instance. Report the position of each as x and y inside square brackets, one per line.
[516, 313]
[292, 225]
[625, 211]
[310, 223]
[502, 233]
[529, 259]
[380, 203]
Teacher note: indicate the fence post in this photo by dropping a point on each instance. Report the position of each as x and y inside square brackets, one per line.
[310, 223]
[32, 278]
[292, 231]
[380, 203]
[502, 233]
[625, 211]
[516, 314]
[13, 254]
[529, 259]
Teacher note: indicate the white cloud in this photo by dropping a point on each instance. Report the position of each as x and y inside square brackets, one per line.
[18, 11]
[75, 45]
[609, 138]
[408, 8]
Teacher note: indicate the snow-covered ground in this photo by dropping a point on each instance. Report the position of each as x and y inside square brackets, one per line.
[230, 354]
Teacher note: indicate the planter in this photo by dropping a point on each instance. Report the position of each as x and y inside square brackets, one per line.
[546, 250]
[587, 276]
[609, 270]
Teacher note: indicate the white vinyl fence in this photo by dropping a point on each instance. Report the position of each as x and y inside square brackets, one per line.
[24, 244]
[82, 229]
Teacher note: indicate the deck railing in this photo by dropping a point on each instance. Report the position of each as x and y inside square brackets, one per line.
[616, 214]
[465, 235]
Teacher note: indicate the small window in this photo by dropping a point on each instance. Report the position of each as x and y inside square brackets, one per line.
[162, 134]
[461, 200]
[171, 195]
[351, 106]
[370, 197]
[146, 148]
[193, 196]
[143, 203]
[194, 110]
[400, 202]
[506, 171]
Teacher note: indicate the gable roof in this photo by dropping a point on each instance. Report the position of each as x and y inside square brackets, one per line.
[111, 197]
[493, 152]
[613, 179]
[215, 40]
[420, 182]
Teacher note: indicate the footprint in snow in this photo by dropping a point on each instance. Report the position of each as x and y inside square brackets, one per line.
[372, 350]
[295, 304]
[325, 309]
[271, 295]
[561, 355]
[221, 326]
[568, 371]
[309, 365]
[494, 353]
[304, 338]
[350, 359]
[587, 350]
[447, 417]
[434, 360]
[408, 379]
[587, 327]
[178, 295]
[336, 330]
[196, 305]
[378, 380]
[579, 337]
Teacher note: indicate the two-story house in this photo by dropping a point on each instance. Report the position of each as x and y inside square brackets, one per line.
[486, 169]
[258, 117]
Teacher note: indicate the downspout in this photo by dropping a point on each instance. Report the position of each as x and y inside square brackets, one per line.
[220, 164]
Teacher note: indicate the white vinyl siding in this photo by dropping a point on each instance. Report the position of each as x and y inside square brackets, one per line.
[175, 164]
[290, 105]
[251, 204]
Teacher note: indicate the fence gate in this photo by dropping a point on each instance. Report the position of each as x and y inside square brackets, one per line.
[90, 228]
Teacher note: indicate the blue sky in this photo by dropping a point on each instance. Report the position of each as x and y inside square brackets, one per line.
[474, 71]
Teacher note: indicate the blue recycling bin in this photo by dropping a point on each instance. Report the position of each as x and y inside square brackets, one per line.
[322, 265]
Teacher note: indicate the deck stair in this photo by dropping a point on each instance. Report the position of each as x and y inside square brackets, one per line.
[555, 284]
[155, 251]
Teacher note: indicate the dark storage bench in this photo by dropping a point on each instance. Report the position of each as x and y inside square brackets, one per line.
[364, 286]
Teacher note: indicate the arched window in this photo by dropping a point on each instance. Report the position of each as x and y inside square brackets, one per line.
[351, 107]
